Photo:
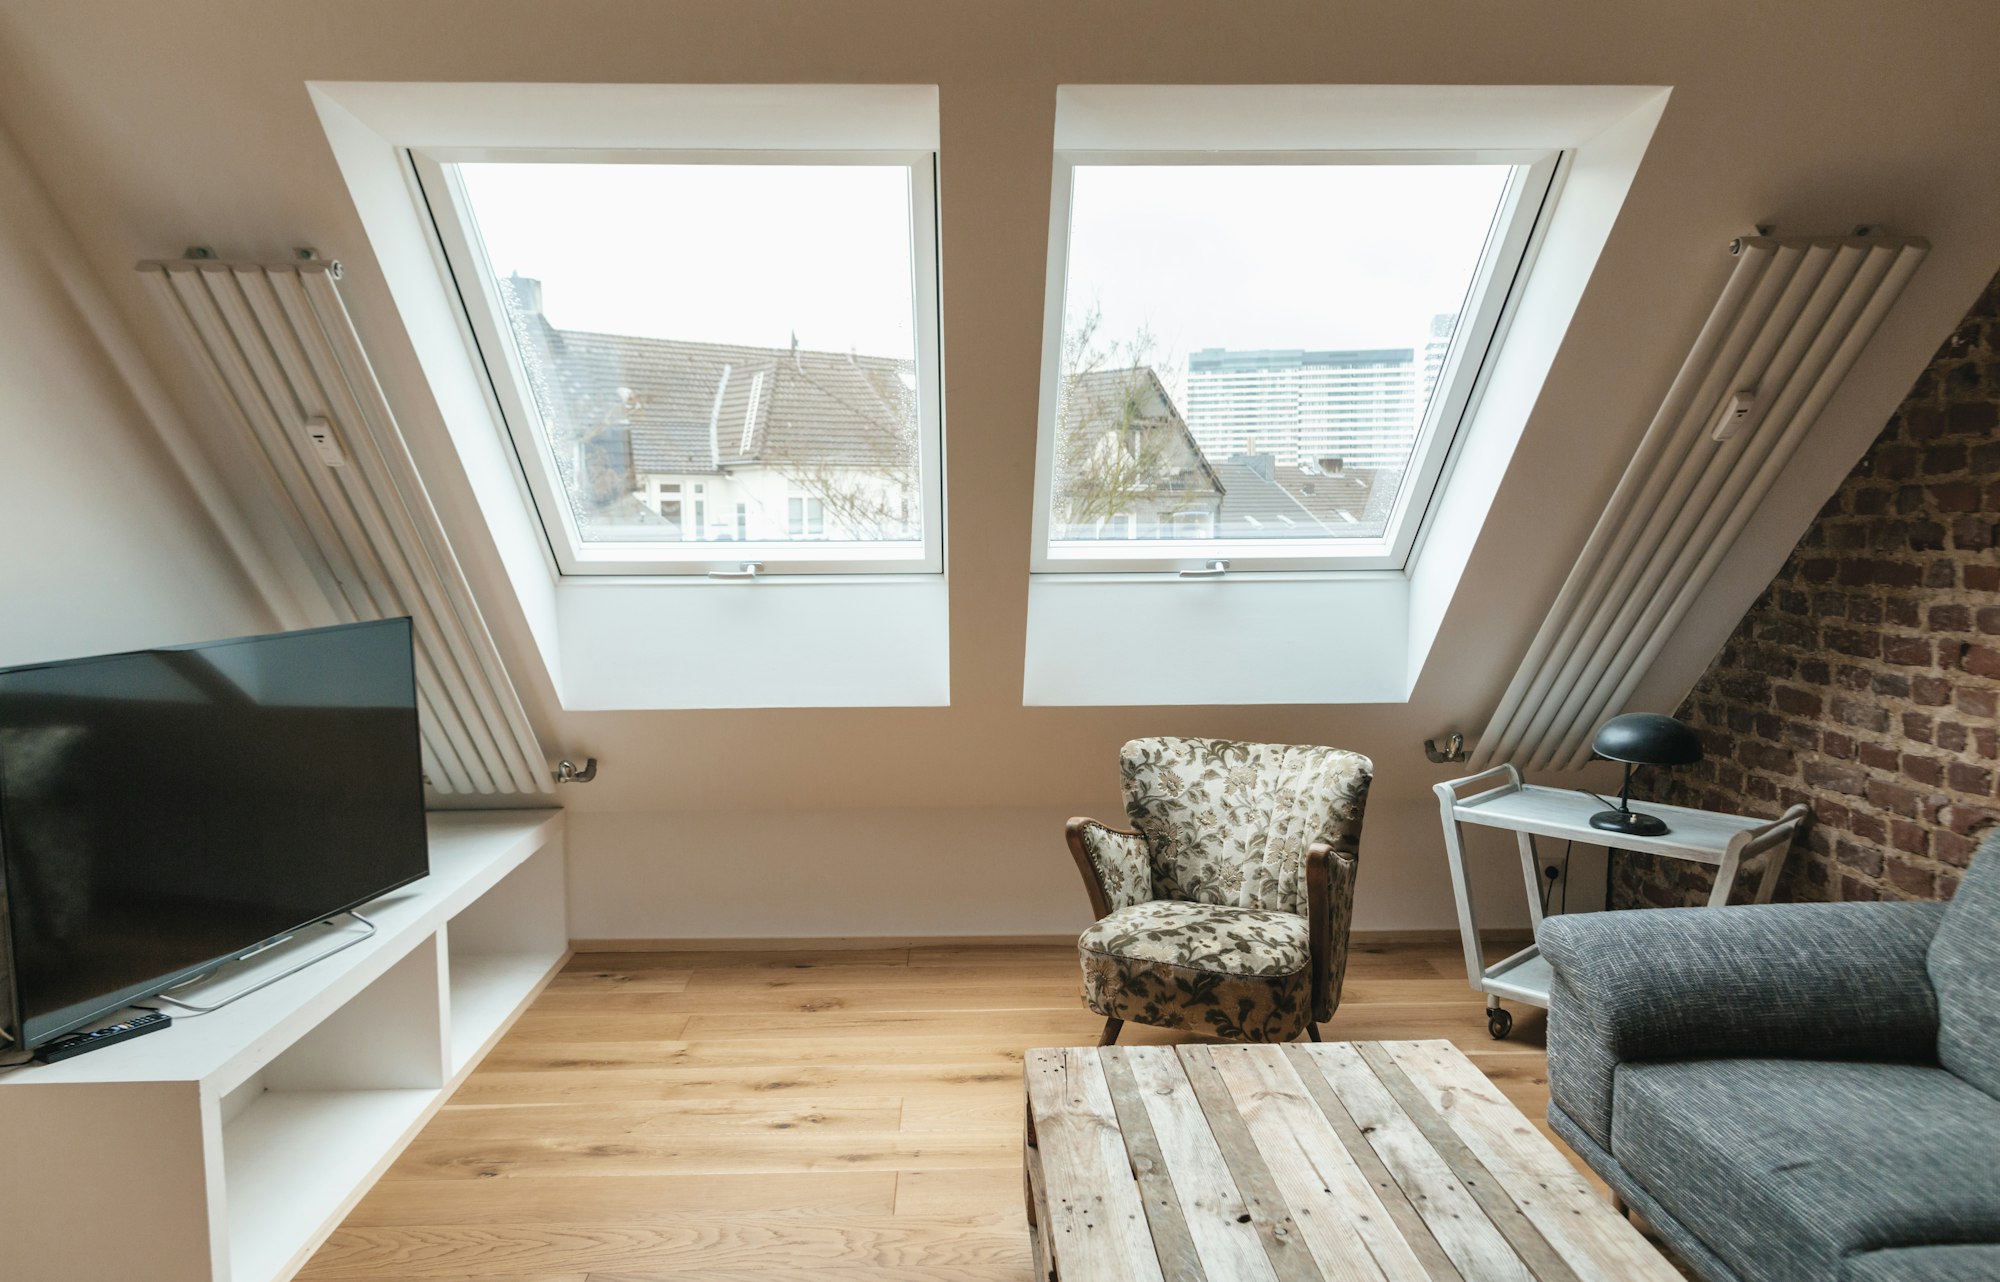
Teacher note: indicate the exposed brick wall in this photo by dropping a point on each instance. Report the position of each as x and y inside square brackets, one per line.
[1864, 681]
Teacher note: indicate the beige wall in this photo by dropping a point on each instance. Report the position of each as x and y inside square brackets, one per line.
[103, 545]
[158, 125]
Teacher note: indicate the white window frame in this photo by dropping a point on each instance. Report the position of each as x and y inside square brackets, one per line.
[1504, 265]
[469, 266]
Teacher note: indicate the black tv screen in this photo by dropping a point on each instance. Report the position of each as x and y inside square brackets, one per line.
[167, 810]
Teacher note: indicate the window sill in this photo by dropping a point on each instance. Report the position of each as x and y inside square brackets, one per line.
[881, 641]
[1235, 574]
[1246, 638]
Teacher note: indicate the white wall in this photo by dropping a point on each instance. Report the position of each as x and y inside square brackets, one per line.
[158, 126]
[103, 544]
[917, 873]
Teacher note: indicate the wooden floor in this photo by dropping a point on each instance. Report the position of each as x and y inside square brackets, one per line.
[778, 1116]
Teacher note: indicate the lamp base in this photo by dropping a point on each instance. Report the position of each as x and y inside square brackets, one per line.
[1629, 822]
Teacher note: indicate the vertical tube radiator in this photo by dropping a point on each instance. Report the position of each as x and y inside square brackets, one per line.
[1790, 324]
[277, 345]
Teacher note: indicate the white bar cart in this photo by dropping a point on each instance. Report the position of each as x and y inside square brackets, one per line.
[1497, 798]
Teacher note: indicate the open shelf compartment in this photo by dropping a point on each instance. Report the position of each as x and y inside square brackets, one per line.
[305, 1134]
[501, 949]
[228, 1146]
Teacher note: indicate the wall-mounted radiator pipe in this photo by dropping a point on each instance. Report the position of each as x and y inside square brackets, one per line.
[278, 347]
[1791, 322]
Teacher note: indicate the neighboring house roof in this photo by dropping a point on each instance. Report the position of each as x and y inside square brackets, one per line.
[1105, 392]
[1354, 504]
[1333, 499]
[1251, 490]
[693, 408]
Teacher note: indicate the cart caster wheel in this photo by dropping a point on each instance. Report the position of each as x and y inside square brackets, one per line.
[1499, 1022]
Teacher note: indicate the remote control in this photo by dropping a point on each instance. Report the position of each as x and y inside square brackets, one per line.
[139, 1025]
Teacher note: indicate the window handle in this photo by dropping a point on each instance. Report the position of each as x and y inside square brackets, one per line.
[1213, 570]
[749, 570]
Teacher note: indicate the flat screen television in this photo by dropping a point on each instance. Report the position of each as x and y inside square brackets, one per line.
[166, 811]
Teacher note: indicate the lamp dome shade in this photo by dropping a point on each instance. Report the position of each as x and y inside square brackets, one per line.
[1648, 739]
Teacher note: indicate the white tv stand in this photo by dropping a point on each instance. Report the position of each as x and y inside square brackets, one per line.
[227, 1147]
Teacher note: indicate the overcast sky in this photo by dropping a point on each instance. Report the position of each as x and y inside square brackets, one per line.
[1201, 255]
[1247, 256]
[711, 253]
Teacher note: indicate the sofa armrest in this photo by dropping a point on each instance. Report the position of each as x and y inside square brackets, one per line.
[1825, 981]
[1116, 866]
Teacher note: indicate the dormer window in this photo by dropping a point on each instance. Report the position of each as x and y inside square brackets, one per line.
[1298, 334]
[754, 325]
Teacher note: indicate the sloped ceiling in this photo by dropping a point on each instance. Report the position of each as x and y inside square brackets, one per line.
[159, 125]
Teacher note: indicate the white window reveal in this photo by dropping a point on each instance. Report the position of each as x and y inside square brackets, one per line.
[764, 321]
[651, 315]
[1264, 357]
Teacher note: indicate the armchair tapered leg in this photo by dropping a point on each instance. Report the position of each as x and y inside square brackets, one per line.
[1110, 1033]
[1312, 1032]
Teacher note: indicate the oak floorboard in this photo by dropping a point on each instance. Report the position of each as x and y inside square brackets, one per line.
[837, 976]
[584, 1082]
[466, 1277]
[697, 1246]
[966, 1191]
[471, 1125]
[963, 1111]
[979, 1026]
[842, 1115]
[755, 1053]
[745, 961]
[1003, 1272]
[745, 1153]
[552, 1024]
[1025, 993]
[642, 1199]
[609, 979]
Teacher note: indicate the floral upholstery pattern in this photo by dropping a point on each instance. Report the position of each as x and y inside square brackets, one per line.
[1229, 941]
[1215, 936]
[1241, 973]
[1123, 865]
[1229, 823]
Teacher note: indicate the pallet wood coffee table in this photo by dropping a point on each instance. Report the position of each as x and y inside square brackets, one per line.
[1302, 1163]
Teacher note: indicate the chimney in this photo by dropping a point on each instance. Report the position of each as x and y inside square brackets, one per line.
[527, 294]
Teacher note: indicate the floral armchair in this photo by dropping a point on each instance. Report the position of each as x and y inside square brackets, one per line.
[1226, 912]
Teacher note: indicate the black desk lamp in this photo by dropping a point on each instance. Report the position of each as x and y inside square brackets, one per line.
[1642, 739]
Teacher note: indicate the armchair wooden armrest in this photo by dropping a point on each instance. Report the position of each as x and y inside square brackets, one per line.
[1117, 870]
[1329, 912]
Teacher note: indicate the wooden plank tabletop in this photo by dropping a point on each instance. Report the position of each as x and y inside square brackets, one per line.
[1347, 1161]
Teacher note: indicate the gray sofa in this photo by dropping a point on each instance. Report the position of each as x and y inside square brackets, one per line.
[1791, 1092]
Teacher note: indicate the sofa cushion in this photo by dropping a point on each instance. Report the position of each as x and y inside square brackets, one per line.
[1965, 971]
[1233, 972]
[1786, 1167]
[1925, 1264]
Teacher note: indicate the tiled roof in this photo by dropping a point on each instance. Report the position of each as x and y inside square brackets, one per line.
[703, 407]
[1352, 505]
[1248, 490]
[1330, 498]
